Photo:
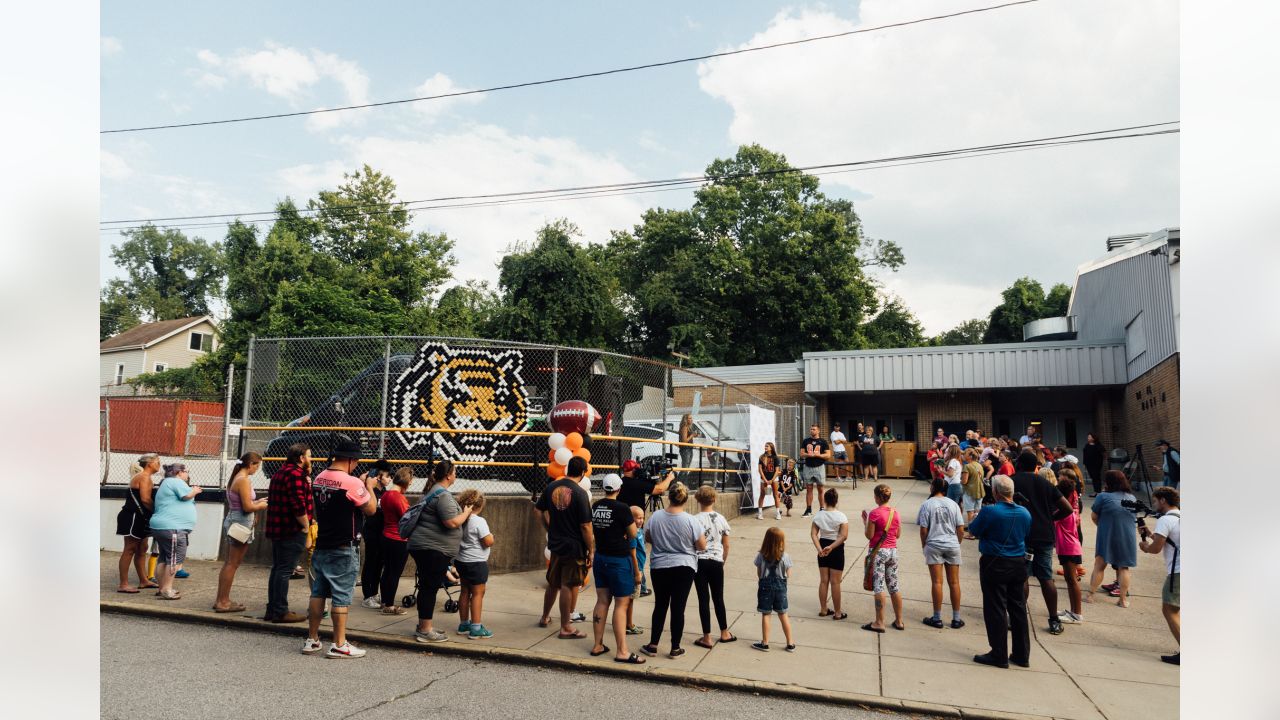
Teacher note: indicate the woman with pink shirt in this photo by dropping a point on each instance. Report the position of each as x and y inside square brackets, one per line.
[883, 526]
[1068, 544]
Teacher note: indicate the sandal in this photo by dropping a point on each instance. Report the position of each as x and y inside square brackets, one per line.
[575, 635]
[631, 659]
[544, 622]
[232, 608]
[171, 596]
[603, 649]
[702, 644]
[676, 652]
[128, 591]
[148, 586]
[841, 616]
[897, 625]
[872, 628]
[393, 610]
[731, 638]
[824, 613]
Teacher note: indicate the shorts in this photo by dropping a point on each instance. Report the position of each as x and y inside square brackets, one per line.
[1040, 566]
[640, 584]
[834, 559]
[771, 597]
[884, 571]
[334, 572]
[815, 475]
[955, 492]
[1171, 590]
[472, 573]
[171, 545]
[842, 455]
[971, 504]
[871, 459]
[566, 571]
[1077, 559]
[941, 556]
[614, 574]
[235, 516]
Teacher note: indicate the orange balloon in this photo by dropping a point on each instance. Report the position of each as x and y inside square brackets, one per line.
[573, 441]
[555, 471]
[583, 453]
[551, 456]
[587, 474]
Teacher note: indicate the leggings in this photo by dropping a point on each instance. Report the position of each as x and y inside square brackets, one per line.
[431, 567]
[710, 581]
[670, 589]
[395, 553]
[371, 571]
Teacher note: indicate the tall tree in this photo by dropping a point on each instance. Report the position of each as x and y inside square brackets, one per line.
[555, 291]
[167, 275]
[465, 310]
[969, 332]
[1021, 303]
[1057, 301]
[761, 268]
[895, 326]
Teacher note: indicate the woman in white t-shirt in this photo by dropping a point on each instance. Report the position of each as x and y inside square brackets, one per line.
[709, 580]
[954, 472]
[829, 531]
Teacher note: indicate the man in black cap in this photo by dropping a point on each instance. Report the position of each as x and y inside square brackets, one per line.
[340, 502]
[1171, 467]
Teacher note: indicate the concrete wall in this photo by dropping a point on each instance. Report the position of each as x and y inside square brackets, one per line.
[204, 543]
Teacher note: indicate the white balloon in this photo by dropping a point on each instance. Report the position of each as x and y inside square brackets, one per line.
[585, 484]
[563, 456]
[556, 441]
[546, 552]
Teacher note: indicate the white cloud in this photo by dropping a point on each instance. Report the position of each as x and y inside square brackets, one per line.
[111, 46]
[114, 167]
[970, 227]
[441, 84]
[483, 159]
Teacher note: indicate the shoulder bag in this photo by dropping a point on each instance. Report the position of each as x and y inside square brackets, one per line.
[869, 562]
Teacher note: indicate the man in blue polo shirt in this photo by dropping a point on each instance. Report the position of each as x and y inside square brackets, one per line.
[1001, 529]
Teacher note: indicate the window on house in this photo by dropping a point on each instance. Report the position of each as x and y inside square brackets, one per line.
[1135, 338]
[161, 367]
[201, 341]
[120, 374]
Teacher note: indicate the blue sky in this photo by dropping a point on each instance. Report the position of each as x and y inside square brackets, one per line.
[1044, 69]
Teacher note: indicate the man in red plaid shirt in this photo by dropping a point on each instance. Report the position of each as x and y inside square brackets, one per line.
[290, 513]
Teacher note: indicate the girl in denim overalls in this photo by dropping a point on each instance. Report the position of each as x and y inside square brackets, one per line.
[773, 567]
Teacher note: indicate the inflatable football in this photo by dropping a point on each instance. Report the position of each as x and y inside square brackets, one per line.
[573, 416]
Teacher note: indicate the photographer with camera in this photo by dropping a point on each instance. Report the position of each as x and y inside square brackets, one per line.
[1167, 539]
[639, 488]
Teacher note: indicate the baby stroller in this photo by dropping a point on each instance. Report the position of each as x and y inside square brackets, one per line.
[450, 582]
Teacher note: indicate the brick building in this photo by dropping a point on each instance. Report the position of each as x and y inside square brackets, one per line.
[1111, 367]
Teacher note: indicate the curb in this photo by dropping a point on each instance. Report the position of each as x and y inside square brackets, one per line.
[538, 659]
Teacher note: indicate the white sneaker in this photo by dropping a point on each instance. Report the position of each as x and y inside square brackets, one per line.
[345, 650]
[577, 618]
[777, 514]
[759, 514]
[373, 603]
[1070, 618]
[310, 646]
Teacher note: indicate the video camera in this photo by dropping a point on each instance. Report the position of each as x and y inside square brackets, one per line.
[1141, 511]
[657, 466]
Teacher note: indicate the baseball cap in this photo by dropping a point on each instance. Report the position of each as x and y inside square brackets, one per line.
[630, 465]
[611, 482]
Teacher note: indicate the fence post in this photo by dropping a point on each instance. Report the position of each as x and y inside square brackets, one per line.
[386, 383]
[248, 392]
[226, 424]
[666, 388]
[106, 465]
[555, 379]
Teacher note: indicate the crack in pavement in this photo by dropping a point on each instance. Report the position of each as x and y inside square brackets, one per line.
[402, 696]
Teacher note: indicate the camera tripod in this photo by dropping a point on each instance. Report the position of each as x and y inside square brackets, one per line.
[1136, 471]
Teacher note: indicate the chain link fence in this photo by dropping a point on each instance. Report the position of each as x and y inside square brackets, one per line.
[488, 406]
[186, 429]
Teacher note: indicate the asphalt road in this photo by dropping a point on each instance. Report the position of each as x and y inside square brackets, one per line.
[158, 669]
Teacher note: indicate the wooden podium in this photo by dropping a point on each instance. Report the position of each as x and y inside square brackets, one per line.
[899, 459]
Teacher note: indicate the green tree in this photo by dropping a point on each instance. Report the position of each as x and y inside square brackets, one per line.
[895, 326]
[1021, 303]
[555, 291]
[465, 310]
[167, 276]
[117, 311]
[762, 268]
[969, 332]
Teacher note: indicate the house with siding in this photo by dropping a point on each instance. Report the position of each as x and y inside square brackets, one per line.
[1111, 367]
[153, 347]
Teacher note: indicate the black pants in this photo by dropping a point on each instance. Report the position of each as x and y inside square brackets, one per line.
[1004, 608]
[371, 571]
[1095, 476]
[710, 582]
[431, 567]
[284, 558]
[670, 590]
[394, 555]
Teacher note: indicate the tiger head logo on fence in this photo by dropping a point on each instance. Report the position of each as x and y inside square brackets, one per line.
[463, 389]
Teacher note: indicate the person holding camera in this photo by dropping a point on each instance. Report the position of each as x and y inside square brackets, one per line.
[1167, 539]
[639, 487]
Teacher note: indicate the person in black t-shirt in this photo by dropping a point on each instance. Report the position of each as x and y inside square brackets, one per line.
[638, 490]
[815, 452]
[565, 509]
[1046, 505]
[615, 568]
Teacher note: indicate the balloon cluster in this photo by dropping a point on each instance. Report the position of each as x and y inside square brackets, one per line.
[563, 449]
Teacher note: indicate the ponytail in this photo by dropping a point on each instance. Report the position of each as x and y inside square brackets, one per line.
[245, 461]
[439, 472]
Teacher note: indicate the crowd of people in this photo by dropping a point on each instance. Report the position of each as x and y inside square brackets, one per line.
[1021, 501]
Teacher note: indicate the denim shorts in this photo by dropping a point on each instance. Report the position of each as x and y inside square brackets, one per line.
[771, 597]
[941, 556]
[335, 571]
[1040, 566]
[971, 504]
[614, 574]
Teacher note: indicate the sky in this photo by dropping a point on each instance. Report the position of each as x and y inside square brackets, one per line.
[968, 228]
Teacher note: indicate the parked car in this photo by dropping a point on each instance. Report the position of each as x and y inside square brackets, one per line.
[705, 432]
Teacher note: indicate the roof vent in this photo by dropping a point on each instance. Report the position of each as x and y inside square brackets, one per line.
[1115, 242]
[1055, 328]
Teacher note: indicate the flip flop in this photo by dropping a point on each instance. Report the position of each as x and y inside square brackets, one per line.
[898, 626]
[577, 635]
[128, 591]
[232, 608]
[841, 616]
[731, 638]
[868, 626]
[824, 613]
[701, 644]
[544, 622]
[633, 659]
[603, 651]
[175, 596]
[148, 586]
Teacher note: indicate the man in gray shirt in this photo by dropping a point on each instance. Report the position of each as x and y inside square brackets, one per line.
[941, 531]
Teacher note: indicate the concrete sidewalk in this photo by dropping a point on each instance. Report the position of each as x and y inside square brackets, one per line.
[1108, 667]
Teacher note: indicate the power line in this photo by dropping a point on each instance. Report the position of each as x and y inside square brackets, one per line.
[635, 187]
[567, 78]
